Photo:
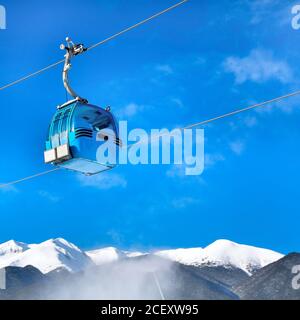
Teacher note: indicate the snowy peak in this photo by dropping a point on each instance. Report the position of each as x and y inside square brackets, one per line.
[60, 244]
[104, 255]
[111, 254]
[245, 257]
[12, 247]
[186, 256]
[134, 254]
[58, 253]
[48, 256]
[225, 253]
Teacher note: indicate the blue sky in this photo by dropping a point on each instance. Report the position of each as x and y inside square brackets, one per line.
[201, 60]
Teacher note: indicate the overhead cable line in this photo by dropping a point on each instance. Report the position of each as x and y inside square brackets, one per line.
[232, 113]
[226, 115]
[6, 185]
[31, 75]
[197, 124]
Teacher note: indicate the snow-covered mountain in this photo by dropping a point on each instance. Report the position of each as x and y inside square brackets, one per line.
[46, 256]
[105, 255]
[224, 253]
[61, 254]
[110, 254]
[12, 247]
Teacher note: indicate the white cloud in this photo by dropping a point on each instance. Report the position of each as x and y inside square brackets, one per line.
[103, 181]
[130, 110]
[181, 203]
[49, 196]
[275, 12]
[178, 102]
[250, 121]
[200, 61]
[212, 158]
[259, 66]
[260, 9]
[265, 110]
[8, 189]
[116, 236]
[237, 147]
[166, 69]
[287, 106]
[179, 172]
[176, 171]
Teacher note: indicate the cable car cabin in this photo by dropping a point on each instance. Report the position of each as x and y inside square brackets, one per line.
[75, 133]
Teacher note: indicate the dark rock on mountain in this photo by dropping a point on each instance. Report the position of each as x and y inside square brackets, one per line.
[21, 280]
[153, 277]
[273, 282]
[17, 277]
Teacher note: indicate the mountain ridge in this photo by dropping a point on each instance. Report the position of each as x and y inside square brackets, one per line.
[46, 256]
[225, 253]
[59, 253]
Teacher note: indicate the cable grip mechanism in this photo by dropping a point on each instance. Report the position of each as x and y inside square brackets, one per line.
[72, 50]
